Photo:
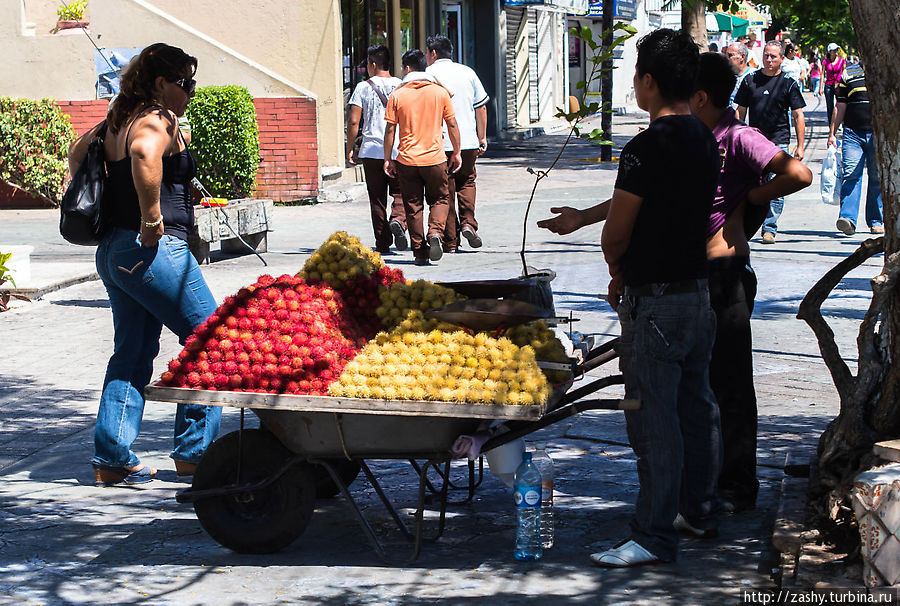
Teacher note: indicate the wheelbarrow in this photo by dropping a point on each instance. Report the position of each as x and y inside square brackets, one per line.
[254, 490]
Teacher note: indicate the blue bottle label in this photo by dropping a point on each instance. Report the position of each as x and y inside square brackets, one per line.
[528, 496]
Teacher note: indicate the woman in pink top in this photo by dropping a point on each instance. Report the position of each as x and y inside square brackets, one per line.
[833, 65]
[814, 75]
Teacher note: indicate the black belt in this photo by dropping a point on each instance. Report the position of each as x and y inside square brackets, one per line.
[657, 289]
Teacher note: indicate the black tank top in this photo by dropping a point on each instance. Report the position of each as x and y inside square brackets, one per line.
[120, 198]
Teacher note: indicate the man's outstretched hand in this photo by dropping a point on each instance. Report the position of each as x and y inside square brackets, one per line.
[566, 221]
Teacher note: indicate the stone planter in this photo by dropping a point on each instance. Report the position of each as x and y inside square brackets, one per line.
[61, 25]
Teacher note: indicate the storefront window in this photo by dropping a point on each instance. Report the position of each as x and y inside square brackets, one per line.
[364, 24]
[407, 25]
[452, 29]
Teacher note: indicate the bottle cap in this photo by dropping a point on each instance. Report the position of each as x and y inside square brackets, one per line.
[526, 457]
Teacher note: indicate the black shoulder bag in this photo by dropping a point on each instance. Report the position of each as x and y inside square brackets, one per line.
[81, 218]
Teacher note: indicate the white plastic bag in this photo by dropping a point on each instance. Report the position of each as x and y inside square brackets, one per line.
[831, 176]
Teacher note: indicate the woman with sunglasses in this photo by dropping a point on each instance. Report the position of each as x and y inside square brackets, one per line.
[143, 258]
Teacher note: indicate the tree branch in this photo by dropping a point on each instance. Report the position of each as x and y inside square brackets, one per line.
[810, 311]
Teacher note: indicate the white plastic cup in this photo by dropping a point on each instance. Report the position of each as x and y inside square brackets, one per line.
[504, 460]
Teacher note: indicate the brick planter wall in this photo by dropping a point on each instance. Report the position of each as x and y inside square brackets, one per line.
[288, 144]
[84, 114]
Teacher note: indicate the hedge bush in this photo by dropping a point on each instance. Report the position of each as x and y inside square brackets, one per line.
[225, 140]
[34, 140]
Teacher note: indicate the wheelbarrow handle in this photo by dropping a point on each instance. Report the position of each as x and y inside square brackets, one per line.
[518, 429]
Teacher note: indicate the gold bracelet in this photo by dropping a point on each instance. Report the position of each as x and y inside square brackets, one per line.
[153, 223]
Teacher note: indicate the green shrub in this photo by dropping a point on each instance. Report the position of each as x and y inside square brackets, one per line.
[225, 140]
[34, 140]
[73, 11]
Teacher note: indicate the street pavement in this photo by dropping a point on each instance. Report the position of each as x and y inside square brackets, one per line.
[63, 541]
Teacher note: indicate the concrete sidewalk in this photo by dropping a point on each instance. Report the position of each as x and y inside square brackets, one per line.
[62, 541]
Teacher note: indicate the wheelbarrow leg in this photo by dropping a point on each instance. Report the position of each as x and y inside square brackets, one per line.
[420, 510]
[470, 486]
[428, 484]
[387, 503]
[367, 528]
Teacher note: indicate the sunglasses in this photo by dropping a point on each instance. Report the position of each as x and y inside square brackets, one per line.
[188, 85]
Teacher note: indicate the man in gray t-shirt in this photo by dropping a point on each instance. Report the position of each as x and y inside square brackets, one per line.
[368, 103]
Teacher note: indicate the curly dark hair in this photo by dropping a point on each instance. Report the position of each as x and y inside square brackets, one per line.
[139, 79]
[672, 58]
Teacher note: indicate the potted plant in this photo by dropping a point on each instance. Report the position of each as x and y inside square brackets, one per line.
[5, 296]
[71, 15]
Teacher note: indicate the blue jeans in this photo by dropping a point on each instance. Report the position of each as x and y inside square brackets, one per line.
[148, 288]
[776, 205]
[857, 152]
[664, 355]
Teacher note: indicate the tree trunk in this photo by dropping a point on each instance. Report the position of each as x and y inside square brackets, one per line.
[606, 82]
[870, 401]
[693, 21]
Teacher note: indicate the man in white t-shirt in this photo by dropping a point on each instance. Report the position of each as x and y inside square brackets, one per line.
[368, 103]
[470, 104]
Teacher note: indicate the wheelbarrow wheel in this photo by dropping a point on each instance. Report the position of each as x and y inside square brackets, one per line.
[259, 521]
[325, 486]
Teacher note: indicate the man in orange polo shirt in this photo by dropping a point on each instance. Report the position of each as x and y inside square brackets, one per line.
[418, 109]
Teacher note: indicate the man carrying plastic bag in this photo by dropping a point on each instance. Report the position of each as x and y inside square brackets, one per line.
[831, 176]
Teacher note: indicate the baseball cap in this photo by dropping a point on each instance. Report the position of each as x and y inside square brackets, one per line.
[833, 46]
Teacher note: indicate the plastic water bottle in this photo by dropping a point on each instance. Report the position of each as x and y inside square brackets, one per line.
[544, 464]
[527, 491]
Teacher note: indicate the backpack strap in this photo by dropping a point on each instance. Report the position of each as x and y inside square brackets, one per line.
[384, 100]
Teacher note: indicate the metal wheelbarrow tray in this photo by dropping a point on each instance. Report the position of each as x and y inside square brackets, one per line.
[254, 490]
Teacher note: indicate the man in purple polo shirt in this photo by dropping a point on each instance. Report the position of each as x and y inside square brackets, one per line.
[739, 208]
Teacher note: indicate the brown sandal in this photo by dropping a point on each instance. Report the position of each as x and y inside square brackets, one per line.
[123, 475]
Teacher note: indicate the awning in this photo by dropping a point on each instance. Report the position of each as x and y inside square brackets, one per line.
[738, 27]
[723, 22]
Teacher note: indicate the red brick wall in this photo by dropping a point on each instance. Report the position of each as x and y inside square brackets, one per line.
[84, 114]
[289, 148]
[288, 145]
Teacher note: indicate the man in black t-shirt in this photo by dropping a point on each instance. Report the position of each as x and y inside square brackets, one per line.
[773, 98]
[654, 242]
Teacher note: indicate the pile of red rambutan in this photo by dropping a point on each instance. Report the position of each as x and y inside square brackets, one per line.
[277, 336]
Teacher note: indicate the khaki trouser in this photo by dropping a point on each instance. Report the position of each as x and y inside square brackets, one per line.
[461, 210]
[378, 184]
[432, 180]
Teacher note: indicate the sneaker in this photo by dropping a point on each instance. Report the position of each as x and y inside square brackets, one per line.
[436, 250]
[846, 226]
[421, 261]
[768, 238]
[624, 555]
[400, 241]
[877, 229]
[682, 525]
[470, 235]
